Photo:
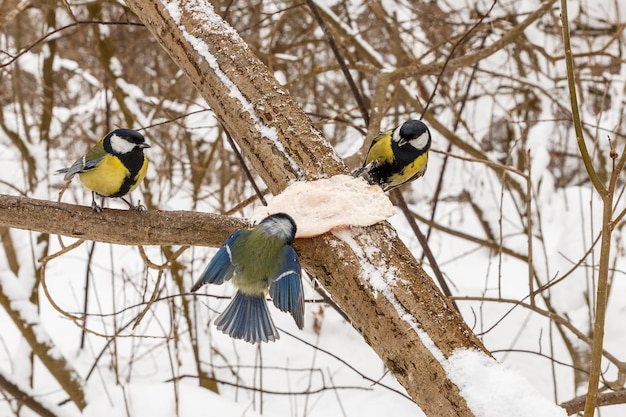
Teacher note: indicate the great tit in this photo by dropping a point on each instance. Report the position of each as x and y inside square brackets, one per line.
[397, 156]
[259, 260]
[114, 167]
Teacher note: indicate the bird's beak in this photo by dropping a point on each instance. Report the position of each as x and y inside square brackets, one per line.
[143, 145]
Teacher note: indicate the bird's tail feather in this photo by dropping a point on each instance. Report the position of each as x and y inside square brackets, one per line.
[248, 318]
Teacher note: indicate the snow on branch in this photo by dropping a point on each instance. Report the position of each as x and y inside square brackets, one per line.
[14, 298]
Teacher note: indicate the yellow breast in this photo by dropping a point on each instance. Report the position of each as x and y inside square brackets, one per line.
[107, 178]
[412, 171]
[380, 150]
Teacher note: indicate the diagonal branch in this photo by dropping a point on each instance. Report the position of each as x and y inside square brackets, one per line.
[342, 62]
[417, 69]
[24, 397]
[24, 314]
[399, 310]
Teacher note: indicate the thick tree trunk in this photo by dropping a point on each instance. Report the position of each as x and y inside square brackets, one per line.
[398, 309]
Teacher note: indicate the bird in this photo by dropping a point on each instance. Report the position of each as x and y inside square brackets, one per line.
[258, 261]
[114, 167]
[397, 156]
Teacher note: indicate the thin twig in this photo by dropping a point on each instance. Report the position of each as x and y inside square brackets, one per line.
[342, 63]
[167, 264]
[244, 167]
[449, 149]
[92, 248]
[68, 26]
[445, 64]
[529, 231]
[153, 297]
[556, 318]
[571, 83]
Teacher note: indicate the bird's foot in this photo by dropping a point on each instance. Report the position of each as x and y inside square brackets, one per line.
[95, 207]
[365, 173]
[138, 207]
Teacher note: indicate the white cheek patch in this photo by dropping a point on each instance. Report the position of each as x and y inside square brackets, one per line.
[121, 145]
[421, 141]
[396, 135]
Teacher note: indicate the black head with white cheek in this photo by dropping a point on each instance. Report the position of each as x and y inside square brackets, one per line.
[414, 133]
[124, 141]
[280, 225]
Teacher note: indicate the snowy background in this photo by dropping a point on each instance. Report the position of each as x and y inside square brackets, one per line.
[104, 76]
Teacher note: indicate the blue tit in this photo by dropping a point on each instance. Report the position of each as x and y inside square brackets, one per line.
[114, 167]
[397, 156]
[259, 260]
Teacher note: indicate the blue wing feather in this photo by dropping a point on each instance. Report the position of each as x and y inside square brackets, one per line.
[286, 291]
[221, 267]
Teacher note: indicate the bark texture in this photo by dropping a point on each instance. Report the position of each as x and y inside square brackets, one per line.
[401, 314]
[122, 227]
[297, 151]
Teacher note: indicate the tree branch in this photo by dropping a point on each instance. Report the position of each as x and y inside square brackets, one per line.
[576, 405]
[571, 83]
[280, 142]
[24, 314]
[122, 227]
[24, 397]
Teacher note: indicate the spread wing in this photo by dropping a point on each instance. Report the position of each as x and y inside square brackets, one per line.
[221, 267]
[286, 290]
[85, 163]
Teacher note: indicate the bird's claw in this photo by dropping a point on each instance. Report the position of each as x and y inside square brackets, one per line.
[138, 207]
[365, 173]
[95, 207]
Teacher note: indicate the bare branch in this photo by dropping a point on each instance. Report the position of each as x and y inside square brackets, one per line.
[122, 227]
[24, 397]
[576, 405]
[24, 315]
